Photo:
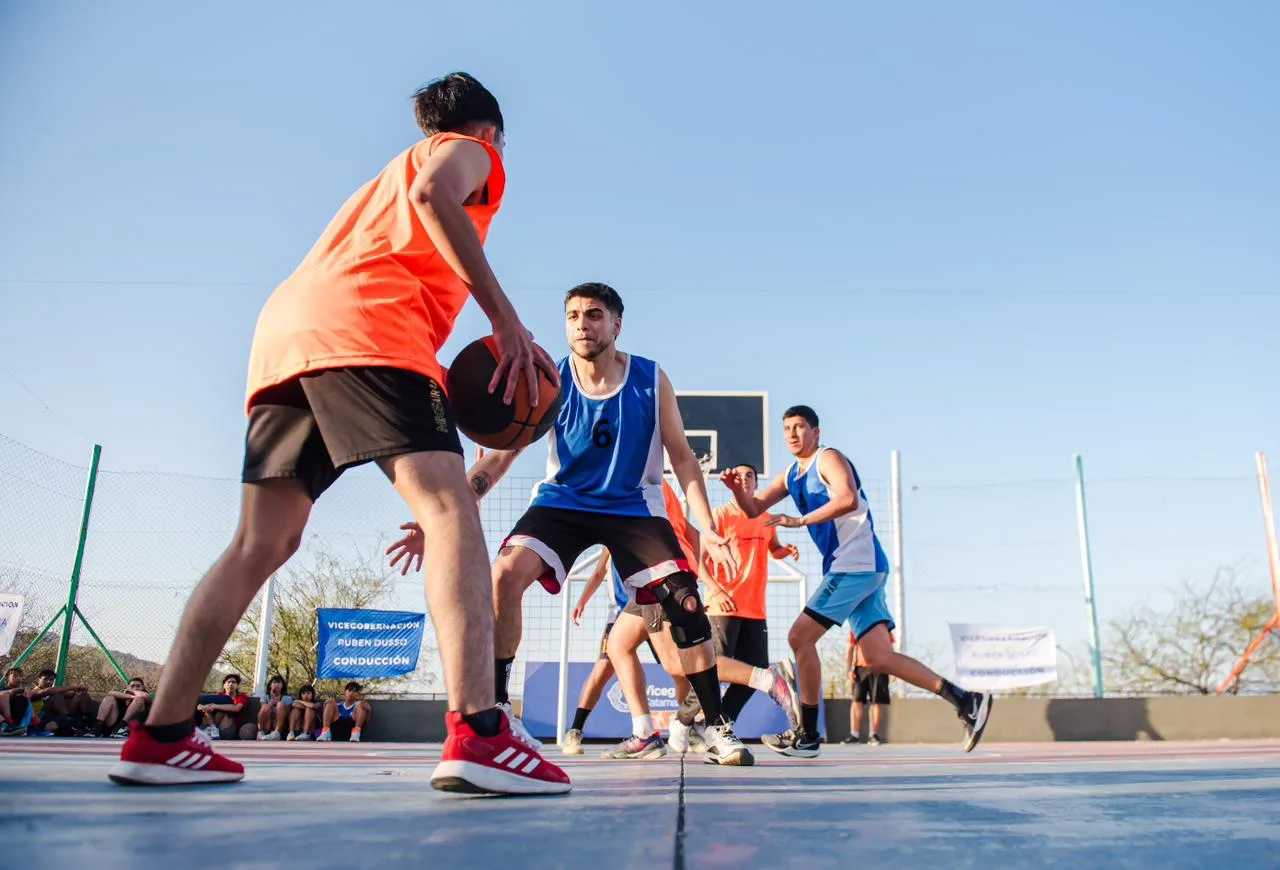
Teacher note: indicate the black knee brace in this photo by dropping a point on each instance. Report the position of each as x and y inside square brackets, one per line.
[678, 595]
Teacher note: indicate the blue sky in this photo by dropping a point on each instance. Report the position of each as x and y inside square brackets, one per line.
[987, 235]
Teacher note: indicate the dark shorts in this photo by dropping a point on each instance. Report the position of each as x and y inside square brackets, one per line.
[317, 425]
[870, 687]
[645, 550]
[746, 640]
[341, 729]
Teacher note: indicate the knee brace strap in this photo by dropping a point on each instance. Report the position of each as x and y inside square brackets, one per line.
[678, 595]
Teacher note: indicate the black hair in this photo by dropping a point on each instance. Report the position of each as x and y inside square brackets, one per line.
[284, 687]
[352, 686]
[809, 415]
[17, 671]
[49, 672]
[602, 293]
[307, 688]
[453, 102]
[235, 677]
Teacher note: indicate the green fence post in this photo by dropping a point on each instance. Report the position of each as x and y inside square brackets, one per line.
[64, 646]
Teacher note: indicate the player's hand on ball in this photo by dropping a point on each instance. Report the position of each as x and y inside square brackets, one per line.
[518, 358]
[787, 522]
[409, 548]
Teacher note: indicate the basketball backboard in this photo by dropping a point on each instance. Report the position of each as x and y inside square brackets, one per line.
[726, 428]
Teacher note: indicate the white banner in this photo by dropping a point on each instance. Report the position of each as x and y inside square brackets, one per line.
[991, 657]
[10, 619]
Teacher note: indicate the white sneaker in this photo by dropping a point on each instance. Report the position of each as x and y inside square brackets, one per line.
[698, 739]
[518, 727]
[214, 732]
[572, 743]
[726, 749]
[272, 735]
[678, 738]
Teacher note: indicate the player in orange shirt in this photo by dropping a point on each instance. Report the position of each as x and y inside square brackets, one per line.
[344, 370]
[736, 606]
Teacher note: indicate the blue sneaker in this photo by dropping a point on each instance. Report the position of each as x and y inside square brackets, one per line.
[638, 748]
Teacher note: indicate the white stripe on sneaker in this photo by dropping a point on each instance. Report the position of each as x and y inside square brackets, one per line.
[518, 760]
[177, 758]
[503, 755]
[191, 761]
[528, 768]
[204, 759]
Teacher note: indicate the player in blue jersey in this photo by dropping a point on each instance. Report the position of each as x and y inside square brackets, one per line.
[618, 414]
[825, 488]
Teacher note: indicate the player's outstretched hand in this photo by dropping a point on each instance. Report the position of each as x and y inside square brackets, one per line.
[733, 480]
[791, 551]
[519, 357]
[723, 552]
[787, 522]
[409, 548]
[578, 610]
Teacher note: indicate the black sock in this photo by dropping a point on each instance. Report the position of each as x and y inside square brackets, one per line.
[175, 733]
[809, 720]
[953, 694]
[501, 674]
[486, 723]
[706, 685]
[580, 719]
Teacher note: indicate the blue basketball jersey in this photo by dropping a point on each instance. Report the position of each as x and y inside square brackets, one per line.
[848, 544]
[605, 454]
[619, 589]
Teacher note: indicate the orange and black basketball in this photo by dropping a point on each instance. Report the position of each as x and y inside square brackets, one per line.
[483, 416]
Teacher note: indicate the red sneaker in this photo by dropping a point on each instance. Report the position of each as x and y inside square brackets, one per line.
[146, 761]
[503, 764]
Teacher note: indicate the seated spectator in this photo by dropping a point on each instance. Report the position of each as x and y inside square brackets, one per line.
[15, 707]
[222, 716]
[273, 715]
[304, 718]
[118, 709]
[347, 716]
[65, 711]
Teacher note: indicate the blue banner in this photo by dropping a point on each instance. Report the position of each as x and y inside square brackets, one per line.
[611, 718]
[367, 643]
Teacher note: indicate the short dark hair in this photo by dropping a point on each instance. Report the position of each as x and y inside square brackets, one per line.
[137, 680]
[602, 293]
[352, 686]
[49, 672]
[754, 470]
[810, 416]
[235, 677]
[283, 685]
[17, 671]
[307, 688]
[451, 103]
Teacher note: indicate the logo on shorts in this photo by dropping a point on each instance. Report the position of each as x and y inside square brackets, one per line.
[437, 409]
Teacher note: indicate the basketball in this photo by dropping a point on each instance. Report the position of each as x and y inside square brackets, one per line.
[482, 416]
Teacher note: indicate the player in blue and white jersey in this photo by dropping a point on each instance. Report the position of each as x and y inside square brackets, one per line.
[825, 488]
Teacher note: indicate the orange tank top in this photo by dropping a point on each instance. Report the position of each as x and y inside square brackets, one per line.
[373, 290]
[675, 515]
[750, 584]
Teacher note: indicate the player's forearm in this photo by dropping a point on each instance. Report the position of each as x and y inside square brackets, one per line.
[488, 470]
[455, 237]
[593, 583]
[837, 507]
[689, 473]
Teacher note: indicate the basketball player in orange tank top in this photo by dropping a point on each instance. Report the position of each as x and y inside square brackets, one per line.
[343, 371]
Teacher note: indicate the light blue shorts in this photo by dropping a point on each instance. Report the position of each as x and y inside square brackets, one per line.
[858, 598]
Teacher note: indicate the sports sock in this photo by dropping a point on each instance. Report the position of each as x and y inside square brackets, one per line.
[580, 719]
[760, 680]
[706, 685]
[953, 694]
[642, 726]
[175, 733]
[809, 719]
[486, 723]
[501, 675]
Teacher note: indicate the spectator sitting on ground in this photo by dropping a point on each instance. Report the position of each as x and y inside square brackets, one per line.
[347, 717]
[304, 718]
[15, 708]
[62, 710]
[223, 715]
[118, 709]
[274, 709]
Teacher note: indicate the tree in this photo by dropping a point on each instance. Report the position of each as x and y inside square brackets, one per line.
[1190, 645]
[322, 579]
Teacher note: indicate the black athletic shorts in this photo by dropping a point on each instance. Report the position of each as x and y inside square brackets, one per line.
[736, 637]
[644, 549]
[870, 687]
[315, 426]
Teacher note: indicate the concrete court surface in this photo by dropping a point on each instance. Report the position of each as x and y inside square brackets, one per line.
[1078, 805]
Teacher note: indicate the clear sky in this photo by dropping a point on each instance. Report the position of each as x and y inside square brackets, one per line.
[988, 235]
